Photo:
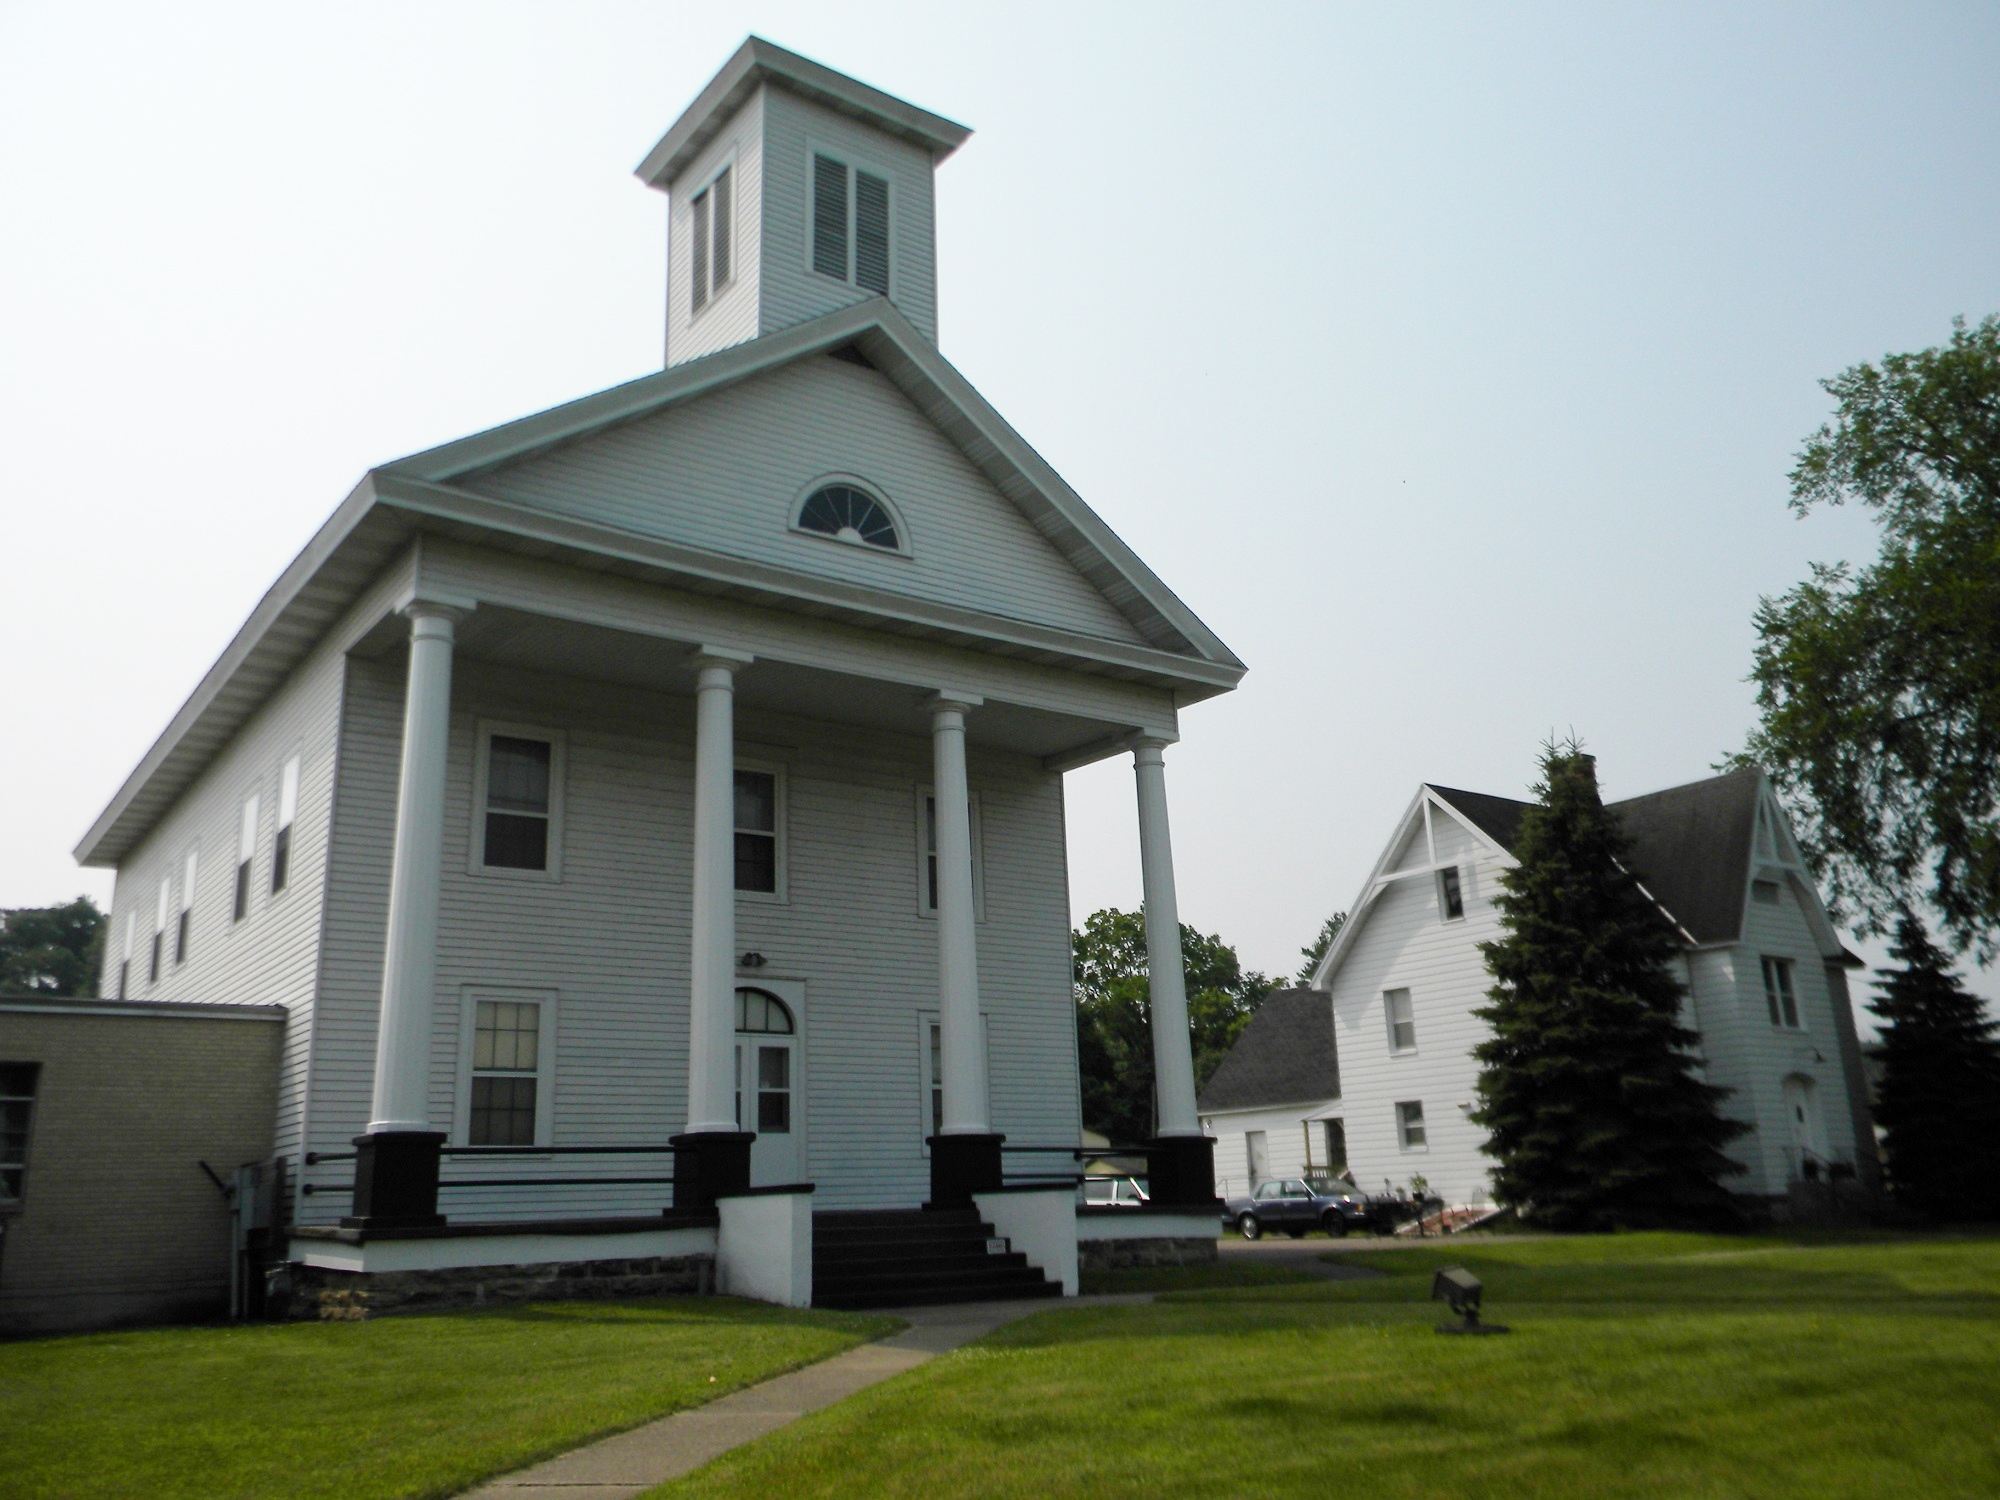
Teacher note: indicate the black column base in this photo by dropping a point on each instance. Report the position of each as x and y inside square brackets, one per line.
[396, 1180]
[709, 1164]
[1181, 1171]
[962, 1165]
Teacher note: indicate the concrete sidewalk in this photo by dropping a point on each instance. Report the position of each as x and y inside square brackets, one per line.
[633, 1462]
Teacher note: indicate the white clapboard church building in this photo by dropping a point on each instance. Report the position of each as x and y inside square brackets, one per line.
[649, 813]
[1391, 1099]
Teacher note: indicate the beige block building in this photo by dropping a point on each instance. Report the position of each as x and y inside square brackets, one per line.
[107, 1111]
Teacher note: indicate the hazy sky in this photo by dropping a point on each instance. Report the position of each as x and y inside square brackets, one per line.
[1447, 360]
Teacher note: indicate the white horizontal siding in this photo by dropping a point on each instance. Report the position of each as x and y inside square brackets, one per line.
[723, 472]
[791, 290]
[1402, 944]
[731, 317]
[612, 936]
[1295, 1144]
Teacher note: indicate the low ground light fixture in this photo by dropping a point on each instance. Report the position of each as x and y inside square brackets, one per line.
[1462, 1290]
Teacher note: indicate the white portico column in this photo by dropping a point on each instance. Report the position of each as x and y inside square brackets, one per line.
[713, 1157]
[1173, 1056]
[963, 1058]
[396, 1168]
[409, 956]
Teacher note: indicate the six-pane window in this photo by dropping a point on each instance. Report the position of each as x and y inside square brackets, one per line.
[506, 1057]
[1410, 1123]
[517, 803]
[756, 831]
[1779, 995]
[1402, 1021]
[17, 1108]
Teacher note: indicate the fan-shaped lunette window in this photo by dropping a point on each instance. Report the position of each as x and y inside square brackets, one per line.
[850, 514]
[762, 1011]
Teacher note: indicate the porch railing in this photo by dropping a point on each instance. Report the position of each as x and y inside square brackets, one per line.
[461, 1182]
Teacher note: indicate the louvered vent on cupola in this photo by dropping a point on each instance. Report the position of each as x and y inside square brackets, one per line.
[850, 214]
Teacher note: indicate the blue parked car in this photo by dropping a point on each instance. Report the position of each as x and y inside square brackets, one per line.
[1295, 1207]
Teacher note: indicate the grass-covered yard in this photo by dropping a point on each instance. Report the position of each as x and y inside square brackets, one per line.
[1640, 1365]
[405, 1407]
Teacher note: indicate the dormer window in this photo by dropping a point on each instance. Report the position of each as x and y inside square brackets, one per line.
[850, 224]
[848, 513]
[713, 222]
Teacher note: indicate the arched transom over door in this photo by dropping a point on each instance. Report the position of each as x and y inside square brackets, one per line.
[768, 1085]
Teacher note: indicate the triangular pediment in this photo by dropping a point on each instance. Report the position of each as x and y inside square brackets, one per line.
[718, 446]
[727, 470]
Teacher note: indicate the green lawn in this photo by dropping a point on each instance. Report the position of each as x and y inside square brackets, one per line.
[1640, 1365]
[406, 1407]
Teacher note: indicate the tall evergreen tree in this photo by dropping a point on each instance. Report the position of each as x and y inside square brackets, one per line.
[1939, 1099]
[1587, 1084]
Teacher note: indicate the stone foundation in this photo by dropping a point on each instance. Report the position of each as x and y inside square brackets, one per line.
[352, 1296]
[1117, 1255]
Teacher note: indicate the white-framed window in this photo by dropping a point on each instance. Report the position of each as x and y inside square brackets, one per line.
[1401, 1015]
[160, 914]
[125, 956]
[760, 831]
[712, 239]
[508, 1047]
[844, 508]
[930, 1051]
[517, 802]
[1257, 1155]
[17, 1116]
[1780, 995]
[850, 222]
[288, 812]
[927, 865]
[1451, 895]
[1410, 1125]
[184, 924]
[246, 852]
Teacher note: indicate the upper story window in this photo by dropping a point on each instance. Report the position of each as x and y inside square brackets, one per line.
[1451, 896]
[848, 513]
[1779, 994]
[1765, 891]
[160, 930]
[518, 802]
[288, 812]
[1402, 1020]
[927, 854]
[186, 922]
[712, 239]
[17, 1109]
[760, 839]
[246, 850]
[850, 224]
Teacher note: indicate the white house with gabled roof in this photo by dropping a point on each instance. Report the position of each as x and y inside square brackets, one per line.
[669, 785]
[1765, 971]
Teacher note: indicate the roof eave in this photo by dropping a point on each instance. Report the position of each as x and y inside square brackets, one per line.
[757, 62]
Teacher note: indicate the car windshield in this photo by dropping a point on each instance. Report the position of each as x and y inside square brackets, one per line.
[1336, 1189]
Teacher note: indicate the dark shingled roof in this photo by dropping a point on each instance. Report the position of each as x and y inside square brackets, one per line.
[1284, 1056]
[1690, 845]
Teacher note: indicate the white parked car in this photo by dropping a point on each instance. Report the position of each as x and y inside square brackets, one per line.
[1113, 1192]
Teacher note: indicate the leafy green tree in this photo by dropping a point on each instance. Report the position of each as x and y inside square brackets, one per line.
[1113, 1036]
[1939, 1099]
[51, 950]
[1587, 1083]
[1878, 688]
[1314, 951]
